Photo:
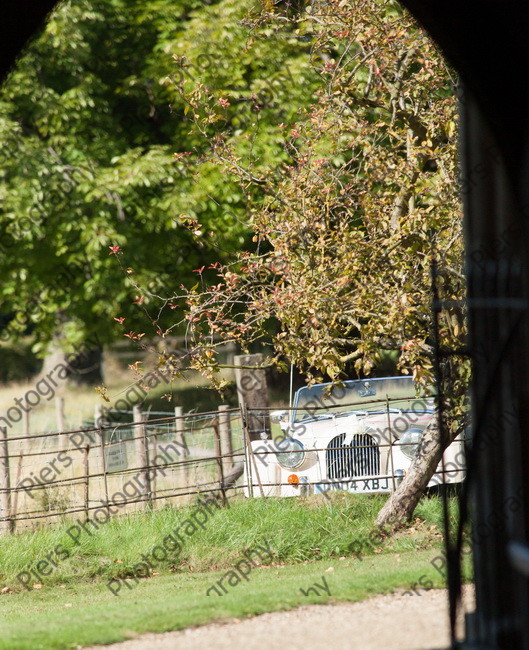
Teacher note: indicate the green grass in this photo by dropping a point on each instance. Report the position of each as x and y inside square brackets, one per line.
[88, 613]
[72, 606]
[315, 528]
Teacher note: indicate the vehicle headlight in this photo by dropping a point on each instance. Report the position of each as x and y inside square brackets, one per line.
[291, 453]
[409, 442]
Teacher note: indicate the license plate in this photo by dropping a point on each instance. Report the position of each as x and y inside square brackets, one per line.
[358, 485]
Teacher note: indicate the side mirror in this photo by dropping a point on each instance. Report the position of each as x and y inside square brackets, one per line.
[399, 476]
[278, 416]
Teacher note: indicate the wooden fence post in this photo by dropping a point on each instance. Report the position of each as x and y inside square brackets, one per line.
[154, 464]
[251, 463]
[252, 391]
[181, 440]
[25, 424]
[142, 454]
[59, 414]
[220, 464]
[25, 448]
[226, 446]
[98, 417]
[6, 526]
[14, 504]
[86, 471]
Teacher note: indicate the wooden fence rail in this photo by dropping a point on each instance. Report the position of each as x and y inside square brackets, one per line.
[117, 467]
[121, 466]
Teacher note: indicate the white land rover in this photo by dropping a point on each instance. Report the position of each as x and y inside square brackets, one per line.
[360, 436]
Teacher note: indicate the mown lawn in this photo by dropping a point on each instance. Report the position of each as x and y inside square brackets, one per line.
[87, 613]
[328, 542]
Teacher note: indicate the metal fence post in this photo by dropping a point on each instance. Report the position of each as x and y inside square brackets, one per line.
[247, 450]
[390, 443]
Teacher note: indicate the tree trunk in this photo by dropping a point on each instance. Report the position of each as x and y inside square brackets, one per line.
[85, 366]
[252, 390]
[55, 355]
[400, 506]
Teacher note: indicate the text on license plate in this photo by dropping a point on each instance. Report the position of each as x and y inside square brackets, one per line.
[356, 485]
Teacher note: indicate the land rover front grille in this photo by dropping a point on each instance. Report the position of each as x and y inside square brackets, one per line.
[360, 458]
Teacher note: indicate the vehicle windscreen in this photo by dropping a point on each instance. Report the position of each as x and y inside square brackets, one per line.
[357, 395]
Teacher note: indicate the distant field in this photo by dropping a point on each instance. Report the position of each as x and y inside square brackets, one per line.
[80, 402]
[193, 394]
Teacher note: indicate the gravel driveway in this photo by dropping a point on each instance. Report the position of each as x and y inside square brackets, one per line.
[395, 622]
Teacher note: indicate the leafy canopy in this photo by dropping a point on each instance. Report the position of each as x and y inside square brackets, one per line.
[347, 225]
[94, 113]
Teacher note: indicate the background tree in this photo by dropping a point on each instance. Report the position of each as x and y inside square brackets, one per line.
[94, 113]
